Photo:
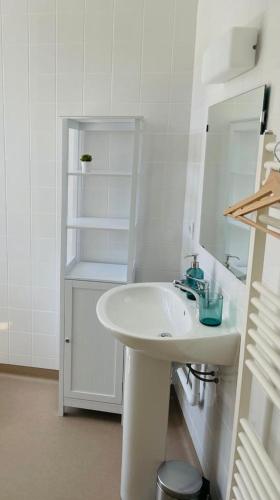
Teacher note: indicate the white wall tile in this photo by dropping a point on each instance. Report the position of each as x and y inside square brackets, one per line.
[66, 5]
[3, 294]
[129, 20]
[70, 58]
[18, 196]
[155, 87]
[4, 344]
[42, 28]
[181, 87]
[43, 174]
[21, 344]
[3, 247]
[42, 58]
[45, 362]
[19, 233]
[15, 56]
[46, 110]
[3, 272]
[3, 225]
[44, 299]
[98, 59]
[42, 87]
[14, 6]
[44, 322]
[178, 122]
[20, 320]
[156, 116]
[97, 88]
[43, 200]
[70, 26]
[44, 248]
[70, 93]
[41, 6]
[43, 225]
[15, 94]
[44, 273]
[20, 297]
[43, 141]
[127, 57]
[19, 271]
[126, 88]
[20, 360]
[157, 43]
[15, 28]
[44, 346]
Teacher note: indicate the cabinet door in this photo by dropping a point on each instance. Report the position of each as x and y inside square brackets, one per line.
[93, 359]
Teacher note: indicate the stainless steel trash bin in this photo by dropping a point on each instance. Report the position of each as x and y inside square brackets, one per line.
[178, 480]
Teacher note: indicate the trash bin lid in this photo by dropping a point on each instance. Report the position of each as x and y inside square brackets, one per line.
[179, 478]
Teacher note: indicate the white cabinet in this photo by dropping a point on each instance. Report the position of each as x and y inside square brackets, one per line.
[98, 228]
[93, 359]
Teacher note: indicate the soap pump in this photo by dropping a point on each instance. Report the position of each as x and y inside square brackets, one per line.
[193, 272]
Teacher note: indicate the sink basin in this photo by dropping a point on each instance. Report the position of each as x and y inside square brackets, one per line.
[156, 318]
[158, 325]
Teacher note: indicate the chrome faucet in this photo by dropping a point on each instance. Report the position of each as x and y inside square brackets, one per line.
[185, 288]
[202, 287]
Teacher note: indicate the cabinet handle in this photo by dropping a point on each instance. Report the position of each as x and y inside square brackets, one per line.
[67, 340]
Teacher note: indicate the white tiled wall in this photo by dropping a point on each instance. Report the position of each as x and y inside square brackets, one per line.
[211, 425]
[74, 57]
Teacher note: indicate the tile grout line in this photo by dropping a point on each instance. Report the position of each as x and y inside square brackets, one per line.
[171, 65]
[84, 58]
[141, 57]
[5, 169]
[112, 53]
[30, 149]
[57, 187]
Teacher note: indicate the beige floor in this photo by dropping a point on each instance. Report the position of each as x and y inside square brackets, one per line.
[46, 457]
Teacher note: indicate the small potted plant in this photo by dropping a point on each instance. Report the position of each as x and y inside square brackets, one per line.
[85, 160]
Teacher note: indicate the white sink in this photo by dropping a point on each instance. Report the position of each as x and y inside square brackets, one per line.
[138, 315]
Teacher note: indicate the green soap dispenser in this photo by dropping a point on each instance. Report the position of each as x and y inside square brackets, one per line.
[193, 272]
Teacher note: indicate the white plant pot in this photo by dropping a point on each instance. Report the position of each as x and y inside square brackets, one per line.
[85, 165]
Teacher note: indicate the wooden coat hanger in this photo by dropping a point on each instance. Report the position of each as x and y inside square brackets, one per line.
[267, 196]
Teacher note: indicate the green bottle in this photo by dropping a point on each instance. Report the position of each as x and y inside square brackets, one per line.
[193, 272]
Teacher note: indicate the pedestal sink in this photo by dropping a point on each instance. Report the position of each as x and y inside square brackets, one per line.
[158, 325]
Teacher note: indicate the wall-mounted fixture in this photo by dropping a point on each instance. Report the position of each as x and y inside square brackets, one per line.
[231, 55]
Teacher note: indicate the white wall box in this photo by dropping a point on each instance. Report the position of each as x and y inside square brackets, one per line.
[98, 226]
[231, 55]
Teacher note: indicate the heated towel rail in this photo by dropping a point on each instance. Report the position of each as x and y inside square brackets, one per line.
[253, 475]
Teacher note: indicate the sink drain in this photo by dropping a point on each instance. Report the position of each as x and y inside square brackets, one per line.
[165, 334]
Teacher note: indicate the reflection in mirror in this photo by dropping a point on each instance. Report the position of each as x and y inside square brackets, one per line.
[234, 127]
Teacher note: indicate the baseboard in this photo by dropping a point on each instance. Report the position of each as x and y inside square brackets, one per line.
[29, 371]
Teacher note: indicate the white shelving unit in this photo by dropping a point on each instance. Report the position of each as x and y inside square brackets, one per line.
[97, 252]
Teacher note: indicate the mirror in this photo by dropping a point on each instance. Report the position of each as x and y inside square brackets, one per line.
[234, 127]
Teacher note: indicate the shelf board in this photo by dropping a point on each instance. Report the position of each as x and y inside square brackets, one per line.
[98, 271]
[98, 223]
[113, 173]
